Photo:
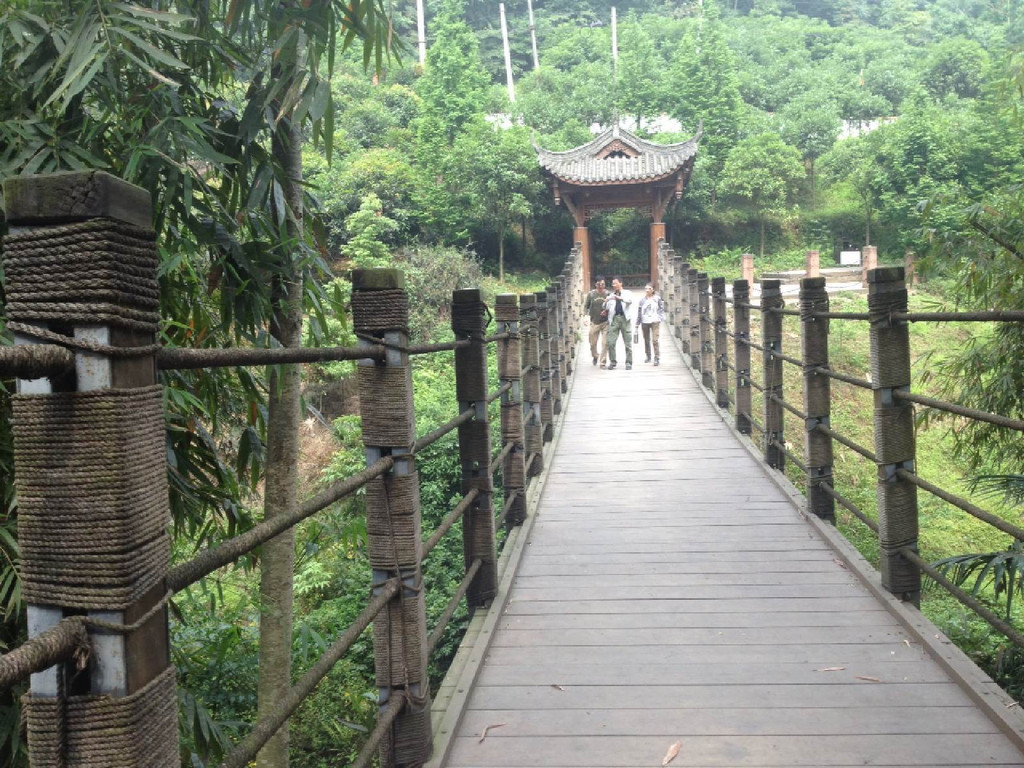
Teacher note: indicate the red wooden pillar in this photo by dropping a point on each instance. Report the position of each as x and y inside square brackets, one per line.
[657, 233]
[581, 235]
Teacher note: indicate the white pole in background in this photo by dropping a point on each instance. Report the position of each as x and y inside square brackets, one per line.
[508, 55]
[615, 42]
[533, 36]
[421, 32]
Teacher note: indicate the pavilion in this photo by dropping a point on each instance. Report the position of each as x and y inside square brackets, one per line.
[618, 169]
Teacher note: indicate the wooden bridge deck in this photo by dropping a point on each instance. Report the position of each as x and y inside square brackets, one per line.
[670, 591]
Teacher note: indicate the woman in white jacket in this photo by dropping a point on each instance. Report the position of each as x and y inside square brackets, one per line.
[649, 316]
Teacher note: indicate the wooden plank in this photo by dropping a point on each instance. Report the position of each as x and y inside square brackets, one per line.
[868, 659]
[735, 751]
[660, 578]
[535, 567]
[684, 723]
[569, 595]
[531, 672]
[655, 637]
[708, 620]
[626, 607]
[733, 697]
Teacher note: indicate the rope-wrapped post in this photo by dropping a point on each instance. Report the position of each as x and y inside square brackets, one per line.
[694, 317]
[533, 422]
[565, 327]
[668, 285]
[721, 342]
[90, 466]
[557, 356]
[771, 334]
[894, 432]
[707, 346]
[682, 303]
[380, 308]
[741, 353]
[817, 396]
[548, 365]
[513, 466]
[469, 321]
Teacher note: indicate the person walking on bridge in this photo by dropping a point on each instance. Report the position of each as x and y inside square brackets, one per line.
[598, 321]
[621, 310]
[649, 314]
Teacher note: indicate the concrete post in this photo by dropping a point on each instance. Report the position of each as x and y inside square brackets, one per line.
[747, 268]
[868, 261]
[813, 264]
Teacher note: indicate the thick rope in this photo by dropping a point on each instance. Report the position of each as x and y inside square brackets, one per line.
[92, 492]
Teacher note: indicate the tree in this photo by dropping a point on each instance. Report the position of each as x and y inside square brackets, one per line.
[764, 171]
[811, 124]
[454, 83]
[705, 87]
[367, 228]
[499, 168]
[638, 83]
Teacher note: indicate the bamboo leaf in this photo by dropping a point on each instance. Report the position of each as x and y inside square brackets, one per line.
[150, 50]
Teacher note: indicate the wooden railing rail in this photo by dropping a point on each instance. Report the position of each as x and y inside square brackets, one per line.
[110, 359]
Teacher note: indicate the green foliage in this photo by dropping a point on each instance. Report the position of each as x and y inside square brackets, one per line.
[367, 229]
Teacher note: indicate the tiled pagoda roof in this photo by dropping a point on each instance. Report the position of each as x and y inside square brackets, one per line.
[644, 160]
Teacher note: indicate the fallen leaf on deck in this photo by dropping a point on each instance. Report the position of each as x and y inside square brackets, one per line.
[1012, 704]
[673, 750]
[839, 562]
[869, 679]
[557, 687]
[483, 733]
[906, 642]
[830, 669]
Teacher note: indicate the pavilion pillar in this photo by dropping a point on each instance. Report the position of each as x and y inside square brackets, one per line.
[581, 236]
[657, 233]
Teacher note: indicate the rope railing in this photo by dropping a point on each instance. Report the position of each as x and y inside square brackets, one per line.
[446, 616]
[184, 358]
[788, 406]
[229, 551]
[265, 728]
[503, 515]
[853, 446]
[781, 445]
[496, 394]
[449, 520]
[850, 506]
[963, 504]
[449, 426]
[506, 449]
[959, 410]
[34, 361]
[62, 642]
[862, 383]
[385, 719]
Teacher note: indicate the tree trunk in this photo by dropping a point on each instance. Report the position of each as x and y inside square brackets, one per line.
[762, 237]
[281, 486]
[501, 256]
[867, 226]
[814, 195]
